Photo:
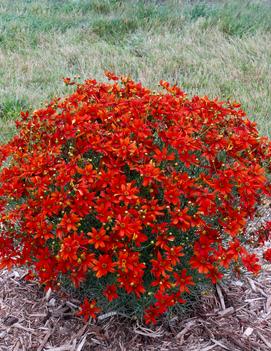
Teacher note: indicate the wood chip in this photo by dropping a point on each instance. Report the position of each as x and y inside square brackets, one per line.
[182, 333]
[46, 338]
[218, 343]
[81, 332]
[267, 343]
[19, 326]
[268, 304]
[148, 332]
[209, 348]
[60, 348]
[81, 344]
[251, 283]
[248, 332]
[17, 346]
[107, 315]
[10, 320]
[228, 311]
[221, 298]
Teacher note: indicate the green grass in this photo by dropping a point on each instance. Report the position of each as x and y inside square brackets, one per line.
[215, 48]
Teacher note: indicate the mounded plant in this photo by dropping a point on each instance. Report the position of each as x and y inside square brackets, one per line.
[136, 193]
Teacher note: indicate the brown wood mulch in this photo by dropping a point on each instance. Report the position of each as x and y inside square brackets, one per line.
[234, 316]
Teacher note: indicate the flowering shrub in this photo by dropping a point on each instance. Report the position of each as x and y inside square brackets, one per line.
[267, 255]
[140, 191]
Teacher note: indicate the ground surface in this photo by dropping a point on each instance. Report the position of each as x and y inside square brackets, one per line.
[32, 320]
[216, 48]
[234, 315]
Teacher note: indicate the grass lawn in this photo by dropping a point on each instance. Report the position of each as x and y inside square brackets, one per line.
[215, 48]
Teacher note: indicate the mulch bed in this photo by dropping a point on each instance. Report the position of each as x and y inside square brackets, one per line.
[234, 316]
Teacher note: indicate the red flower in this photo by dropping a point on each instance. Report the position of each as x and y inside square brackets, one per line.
[128, 193]
[111, 75]
[151, 315]
[250, 261]
[163, 155]
[103, 266]
[69, 222]
[68, 81]
[126, 226]
[88, 309]
[98, 238]
[181, 219]
[110, 292]
[70, 246]
[267, 255]
[201, 264]
[161, 266]
[183, 280]
[174, 253]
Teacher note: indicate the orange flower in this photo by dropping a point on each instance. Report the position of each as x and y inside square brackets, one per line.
[88, 309]
[110, 292]
[98, 238]
[183, 280]
[267, 255]
[103, 266]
